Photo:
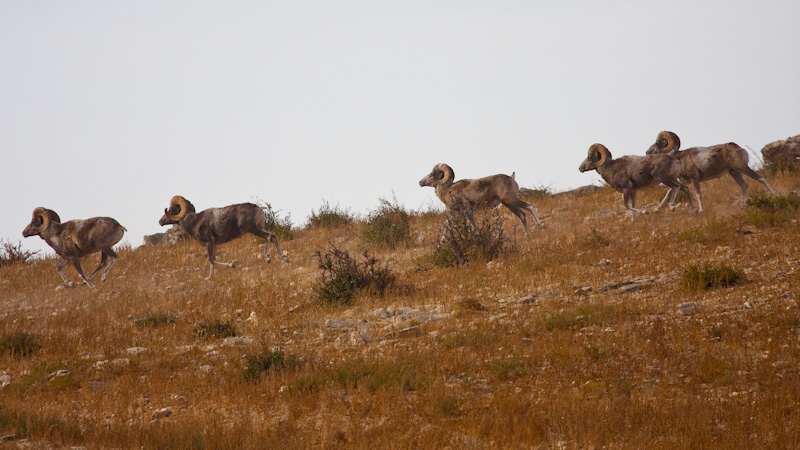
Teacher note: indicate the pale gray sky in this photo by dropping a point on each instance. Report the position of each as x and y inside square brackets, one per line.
[111, 108]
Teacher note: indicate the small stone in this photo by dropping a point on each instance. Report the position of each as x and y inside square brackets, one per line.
[630, 288]
[686, 308]
[162, 413]
[748, 305]
[336, 323]
[58, 374]
[5, 379]
[133, 351]
[205, 368]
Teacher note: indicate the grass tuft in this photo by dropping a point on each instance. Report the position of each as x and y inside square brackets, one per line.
[764, 210]
[388, 226]
[698, 278]
[19, 344]
[155, 320]
[214, 329]
[265, 361]
[328, 216]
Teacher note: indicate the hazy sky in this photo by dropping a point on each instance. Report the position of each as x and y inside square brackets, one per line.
[109, 108]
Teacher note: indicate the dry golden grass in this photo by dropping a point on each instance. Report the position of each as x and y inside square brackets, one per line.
[527, 351]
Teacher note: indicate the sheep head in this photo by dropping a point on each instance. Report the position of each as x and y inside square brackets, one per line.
[441, 174]
[178, 208]
[666, 141]
[598, 155]
[41, 220]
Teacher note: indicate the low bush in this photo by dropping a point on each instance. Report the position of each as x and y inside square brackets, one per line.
[387, 226]
[328, 216]
[155, 320]
[709, 277]
[19, 344]
[214, 329]
[343, 276]
[11, 253]
[463, 242]
[763, 209]
[265, 361]
[281, 226]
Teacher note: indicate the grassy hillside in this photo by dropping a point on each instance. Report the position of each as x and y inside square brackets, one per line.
[676, 331]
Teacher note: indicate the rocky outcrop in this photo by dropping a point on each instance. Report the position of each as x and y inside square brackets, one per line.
[170, 237]
[782, 152]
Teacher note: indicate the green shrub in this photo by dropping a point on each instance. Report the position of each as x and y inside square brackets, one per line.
[447, 406]
[582, 315]
[155, 320]
[329, 217]
[463, 242]
[375, 375]
[268, 359]
[214, 329]
[709, 277]
[592, 240]
[763, 209]
[344, 276]
[388, 226]
[19, 344]
[509, 368]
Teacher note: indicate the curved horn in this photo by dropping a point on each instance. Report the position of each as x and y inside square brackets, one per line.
[45, 216]
[603, 151]
[673, 141]
[449, 175]
[183, 208]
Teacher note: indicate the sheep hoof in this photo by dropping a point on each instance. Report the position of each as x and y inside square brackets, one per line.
[233, 264]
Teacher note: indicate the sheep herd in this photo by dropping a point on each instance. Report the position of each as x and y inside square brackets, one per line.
[664, 164]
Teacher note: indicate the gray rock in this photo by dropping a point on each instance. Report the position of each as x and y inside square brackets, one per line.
[58, 374]
[786, 151]
[170, 237]
[336, 323]
[162, 413]
[133, 351]
[686, 308]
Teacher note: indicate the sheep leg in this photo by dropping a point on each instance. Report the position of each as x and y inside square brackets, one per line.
[103, 262]
[76, 261]
[671, 192]
[629, 196]
[756, 176]
[521, 214]
[113, 255]
[212, 254]
[685, 189]
[527, 206]
[61, 265]
[270, 237]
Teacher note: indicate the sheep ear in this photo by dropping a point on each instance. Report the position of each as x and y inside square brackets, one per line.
[439, 175]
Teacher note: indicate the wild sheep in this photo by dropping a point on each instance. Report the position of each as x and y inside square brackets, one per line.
[215, 226]
[465, 196]
[631, 173]
[706, 163]
[77, 238]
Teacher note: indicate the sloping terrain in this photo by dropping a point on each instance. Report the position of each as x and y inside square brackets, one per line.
[592, 333]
